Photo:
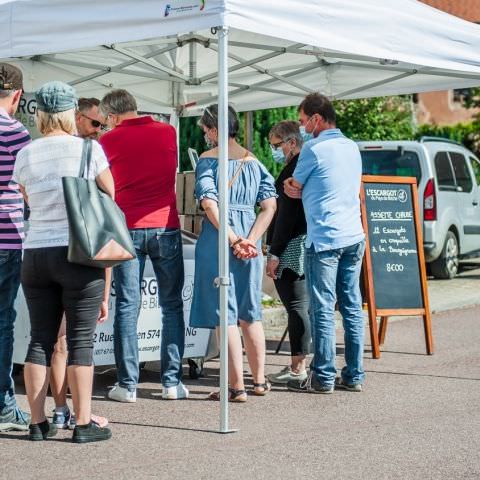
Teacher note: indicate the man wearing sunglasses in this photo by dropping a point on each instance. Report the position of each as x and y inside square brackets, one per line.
[88, 118]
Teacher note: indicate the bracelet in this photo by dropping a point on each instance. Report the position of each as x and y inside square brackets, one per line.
[238, 240]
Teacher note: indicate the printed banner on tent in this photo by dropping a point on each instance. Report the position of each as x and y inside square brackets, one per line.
[26, 113]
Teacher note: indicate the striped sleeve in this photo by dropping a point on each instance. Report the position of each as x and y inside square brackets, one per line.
[15, 137]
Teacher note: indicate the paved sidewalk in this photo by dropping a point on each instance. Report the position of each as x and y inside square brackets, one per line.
[418, 418]
[444, 295]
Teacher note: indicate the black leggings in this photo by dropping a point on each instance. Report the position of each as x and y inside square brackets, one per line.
[292, 290]
[52, 286]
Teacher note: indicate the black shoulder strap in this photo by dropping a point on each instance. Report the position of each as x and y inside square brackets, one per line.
[86, 157]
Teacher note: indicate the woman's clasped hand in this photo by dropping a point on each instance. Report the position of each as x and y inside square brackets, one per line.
[244, 248]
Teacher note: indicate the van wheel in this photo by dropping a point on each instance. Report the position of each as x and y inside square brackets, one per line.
[446, 265]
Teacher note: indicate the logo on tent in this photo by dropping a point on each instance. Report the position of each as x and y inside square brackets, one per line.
[183, 7]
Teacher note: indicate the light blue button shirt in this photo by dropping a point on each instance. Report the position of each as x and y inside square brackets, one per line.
[330, 170]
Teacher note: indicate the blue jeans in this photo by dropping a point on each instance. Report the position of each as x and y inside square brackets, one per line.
[10, 263]
[333, 275]
[164, 247]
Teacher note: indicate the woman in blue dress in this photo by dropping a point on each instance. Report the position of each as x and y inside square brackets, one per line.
[249, 184]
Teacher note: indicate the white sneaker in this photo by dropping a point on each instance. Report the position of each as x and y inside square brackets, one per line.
[177, 392]
[122, 394]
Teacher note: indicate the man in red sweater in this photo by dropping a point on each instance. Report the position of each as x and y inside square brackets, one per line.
[143, 159]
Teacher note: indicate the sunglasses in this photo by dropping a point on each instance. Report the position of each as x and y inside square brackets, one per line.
[95, 123]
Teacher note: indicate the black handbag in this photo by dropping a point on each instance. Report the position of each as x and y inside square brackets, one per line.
[98, 233]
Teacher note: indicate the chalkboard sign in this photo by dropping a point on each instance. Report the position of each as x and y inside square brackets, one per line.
[394, 264]
[393, 245]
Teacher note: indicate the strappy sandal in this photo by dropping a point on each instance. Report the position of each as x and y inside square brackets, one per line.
[261, 389]
[234, 395]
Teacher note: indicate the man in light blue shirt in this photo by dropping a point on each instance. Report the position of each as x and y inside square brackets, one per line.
[328, 178]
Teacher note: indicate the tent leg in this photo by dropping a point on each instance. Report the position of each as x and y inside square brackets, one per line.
[223, 247]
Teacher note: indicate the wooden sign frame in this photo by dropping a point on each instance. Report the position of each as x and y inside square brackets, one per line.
[377, 335]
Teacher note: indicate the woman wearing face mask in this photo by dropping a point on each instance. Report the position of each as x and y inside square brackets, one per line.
[286, 239]
[249, 184]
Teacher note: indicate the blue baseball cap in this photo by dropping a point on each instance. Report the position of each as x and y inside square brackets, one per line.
[55, 97]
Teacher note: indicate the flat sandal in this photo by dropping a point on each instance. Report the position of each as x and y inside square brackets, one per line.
[234, 395]
[267, 386]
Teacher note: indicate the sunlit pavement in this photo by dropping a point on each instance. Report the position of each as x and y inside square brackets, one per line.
[418, 418]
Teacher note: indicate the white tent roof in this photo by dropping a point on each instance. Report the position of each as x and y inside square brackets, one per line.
[165, 54]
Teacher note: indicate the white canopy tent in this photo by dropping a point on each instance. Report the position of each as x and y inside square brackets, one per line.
[278, 50]
[177, 56]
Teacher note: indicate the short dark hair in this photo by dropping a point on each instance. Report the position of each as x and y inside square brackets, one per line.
[118, 102]
[209, 119]
[317, 103]
[85, 104]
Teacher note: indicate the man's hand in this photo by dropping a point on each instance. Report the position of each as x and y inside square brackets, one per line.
[272, 267]
[292, 188]
[103, 315]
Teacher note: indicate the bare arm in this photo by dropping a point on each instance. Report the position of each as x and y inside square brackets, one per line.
[211, 210]
[268, 207]
[24, 193]
[105, 182]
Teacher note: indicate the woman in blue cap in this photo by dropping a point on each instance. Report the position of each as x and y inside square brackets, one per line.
[51, 284]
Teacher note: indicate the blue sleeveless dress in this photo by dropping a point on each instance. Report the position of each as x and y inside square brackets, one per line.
[253, 185]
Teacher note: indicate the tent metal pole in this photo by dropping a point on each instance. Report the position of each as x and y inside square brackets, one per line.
[373, 85]
[223, 280]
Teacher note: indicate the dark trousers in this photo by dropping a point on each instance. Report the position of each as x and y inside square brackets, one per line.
[10, 263]
[52, 286]
[292, 290]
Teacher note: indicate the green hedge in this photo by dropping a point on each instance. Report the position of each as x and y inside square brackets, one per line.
[382, 118]
[465, 133]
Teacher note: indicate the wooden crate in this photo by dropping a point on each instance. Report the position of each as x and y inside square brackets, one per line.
[190, 203]
[180, 192]
[187, 222]
[197, 223]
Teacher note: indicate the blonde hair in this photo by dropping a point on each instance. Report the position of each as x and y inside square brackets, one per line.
[48, 122]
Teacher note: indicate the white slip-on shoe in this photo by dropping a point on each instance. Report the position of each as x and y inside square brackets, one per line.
[122, 394]
[178, 392]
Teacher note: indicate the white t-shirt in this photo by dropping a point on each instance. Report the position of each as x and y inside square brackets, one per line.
[39, 168]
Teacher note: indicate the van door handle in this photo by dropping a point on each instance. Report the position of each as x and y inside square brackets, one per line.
[475, 203]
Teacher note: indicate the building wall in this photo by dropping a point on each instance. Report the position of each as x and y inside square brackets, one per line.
[441, 108]
[466, 9]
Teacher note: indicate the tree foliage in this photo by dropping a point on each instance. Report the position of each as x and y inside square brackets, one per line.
[465, 133]
[386, 118]
[377, 118]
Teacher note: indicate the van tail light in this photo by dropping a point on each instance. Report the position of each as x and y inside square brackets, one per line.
[429, 201]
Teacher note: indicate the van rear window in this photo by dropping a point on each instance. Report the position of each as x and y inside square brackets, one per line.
[397, 163]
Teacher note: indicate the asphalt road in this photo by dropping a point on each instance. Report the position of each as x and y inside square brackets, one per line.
[418, 418]
[461, 292]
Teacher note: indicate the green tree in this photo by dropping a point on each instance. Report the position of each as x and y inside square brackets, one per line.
[387, 118]
[465, 133]
[379, 118]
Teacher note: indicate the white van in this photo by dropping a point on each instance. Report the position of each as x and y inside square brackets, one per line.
[448, 178]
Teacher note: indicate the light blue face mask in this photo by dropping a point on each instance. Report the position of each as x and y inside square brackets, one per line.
[306, 136]
[278, 155]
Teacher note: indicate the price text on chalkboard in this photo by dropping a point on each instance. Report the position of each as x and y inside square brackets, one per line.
[393, 246]
[395, 280]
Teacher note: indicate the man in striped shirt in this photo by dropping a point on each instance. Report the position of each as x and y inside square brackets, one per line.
[13, 136]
